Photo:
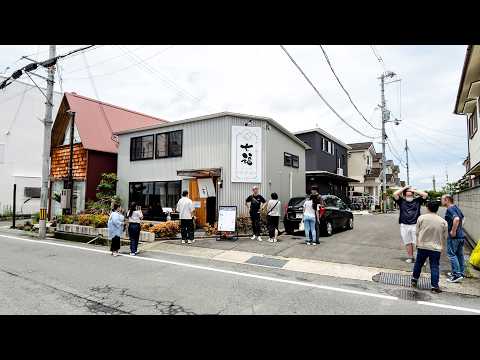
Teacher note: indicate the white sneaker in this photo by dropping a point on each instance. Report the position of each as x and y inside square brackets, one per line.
[189, 241]
[271, 240]
[253, 237]
[259, 238]
[184, 241]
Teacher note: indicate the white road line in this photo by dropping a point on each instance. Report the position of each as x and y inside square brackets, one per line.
[237, 273]
[458, 308]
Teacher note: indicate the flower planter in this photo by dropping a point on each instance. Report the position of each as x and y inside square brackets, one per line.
[145, 236]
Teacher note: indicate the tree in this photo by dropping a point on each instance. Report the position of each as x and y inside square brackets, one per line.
[106, 194]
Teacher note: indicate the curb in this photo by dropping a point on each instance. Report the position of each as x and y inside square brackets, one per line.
[317, 267]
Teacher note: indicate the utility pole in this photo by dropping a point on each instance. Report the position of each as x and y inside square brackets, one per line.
[408, 167]
[434, 188]
[385, 118]
[446, 174]
[47, 122]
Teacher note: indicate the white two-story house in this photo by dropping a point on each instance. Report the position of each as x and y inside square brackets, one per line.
[361, 157]
[467, 104]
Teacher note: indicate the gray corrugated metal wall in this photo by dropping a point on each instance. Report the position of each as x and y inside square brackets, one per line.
[207, 144]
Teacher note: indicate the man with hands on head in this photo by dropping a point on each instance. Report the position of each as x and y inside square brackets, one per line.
[409, 206]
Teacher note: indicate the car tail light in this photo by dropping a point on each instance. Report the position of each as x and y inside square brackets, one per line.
[321, 212]
[286, 208]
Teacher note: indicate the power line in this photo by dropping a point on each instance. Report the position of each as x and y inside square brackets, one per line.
[104, 61]
[321, 97]
[345, 90]
[169, 83]
[379, 58]
[113, 138]
[34, 65]
[124, 68]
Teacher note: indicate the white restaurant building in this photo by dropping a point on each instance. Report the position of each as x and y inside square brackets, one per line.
[217, 157]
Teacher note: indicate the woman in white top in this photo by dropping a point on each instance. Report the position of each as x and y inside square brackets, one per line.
[134, 220]
[273, 216]
[309, 218]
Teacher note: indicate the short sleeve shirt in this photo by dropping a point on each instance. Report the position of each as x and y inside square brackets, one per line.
[409, 211]
[450, 215]
[255, 203]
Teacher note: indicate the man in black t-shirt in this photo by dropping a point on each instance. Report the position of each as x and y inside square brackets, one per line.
[409, 212]
[254, 203]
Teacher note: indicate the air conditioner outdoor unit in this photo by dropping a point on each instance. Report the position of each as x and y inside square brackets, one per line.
[340, 171]
[65, 198]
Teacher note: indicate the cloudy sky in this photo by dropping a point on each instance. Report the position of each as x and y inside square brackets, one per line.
[178, 82]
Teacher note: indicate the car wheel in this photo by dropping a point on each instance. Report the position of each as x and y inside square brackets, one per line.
[328, 230]
[350, 224]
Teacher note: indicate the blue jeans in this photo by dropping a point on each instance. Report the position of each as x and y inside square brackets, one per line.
[134, 235]
[310, 228]
[455, 254]
[434, 257]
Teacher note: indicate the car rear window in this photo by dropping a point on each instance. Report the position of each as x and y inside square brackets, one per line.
[330, 201]
[296, 201]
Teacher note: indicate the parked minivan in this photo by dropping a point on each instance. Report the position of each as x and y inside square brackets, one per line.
[333, 214]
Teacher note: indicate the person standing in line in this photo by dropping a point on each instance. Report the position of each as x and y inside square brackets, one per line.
[254, 203]
[134, 219]
[115, 229]
[409, 213]
[185, 209]
[310, 209]
[456, 239]
[432, 232]
[316, 203]
[273, 217]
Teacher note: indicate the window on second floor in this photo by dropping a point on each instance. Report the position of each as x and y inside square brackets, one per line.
[169, 144]
[327, 146]
[141, 148]
[291, 160]
[472, 124]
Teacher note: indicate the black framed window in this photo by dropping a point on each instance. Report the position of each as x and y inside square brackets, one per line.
[295, 161]
[153, 196]
[141, 148]
[290, 160]
[161, 146]
[473, 124]
[175, 140]
[169, 144]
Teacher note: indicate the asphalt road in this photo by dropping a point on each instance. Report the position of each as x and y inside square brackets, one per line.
[57, 277]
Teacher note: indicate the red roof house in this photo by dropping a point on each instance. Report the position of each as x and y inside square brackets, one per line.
[95, 146]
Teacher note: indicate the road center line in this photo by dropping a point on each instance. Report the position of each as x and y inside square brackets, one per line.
[237, 273]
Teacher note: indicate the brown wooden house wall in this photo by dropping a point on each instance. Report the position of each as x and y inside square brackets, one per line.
[60, 161]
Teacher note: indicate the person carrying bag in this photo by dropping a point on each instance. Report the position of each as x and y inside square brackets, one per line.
[272, 211]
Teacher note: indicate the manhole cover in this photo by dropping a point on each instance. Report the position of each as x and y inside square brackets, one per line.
[266, 261]
[407, 294]
[402, 280]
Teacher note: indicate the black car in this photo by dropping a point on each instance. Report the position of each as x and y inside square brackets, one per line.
[333, 214]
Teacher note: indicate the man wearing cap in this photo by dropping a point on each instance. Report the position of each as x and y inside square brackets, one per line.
[254, 203]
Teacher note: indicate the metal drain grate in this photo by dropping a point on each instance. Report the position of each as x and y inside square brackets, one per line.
[266, 261]
[402, 280]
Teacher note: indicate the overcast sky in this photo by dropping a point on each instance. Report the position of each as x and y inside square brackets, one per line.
[178, 82]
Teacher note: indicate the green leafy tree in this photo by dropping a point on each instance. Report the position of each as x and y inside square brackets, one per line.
[106, 194]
